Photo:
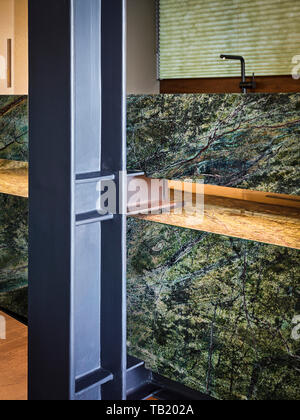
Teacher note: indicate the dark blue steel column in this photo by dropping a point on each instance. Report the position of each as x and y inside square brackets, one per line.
[50, 215]
[113, 313]
[77, 265]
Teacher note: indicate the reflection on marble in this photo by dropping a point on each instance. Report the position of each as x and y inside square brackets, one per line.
[13, 128]
[213, 312]
[13, 210]
[13, 253]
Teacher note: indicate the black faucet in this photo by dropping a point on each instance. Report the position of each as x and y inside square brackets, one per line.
[244, 85]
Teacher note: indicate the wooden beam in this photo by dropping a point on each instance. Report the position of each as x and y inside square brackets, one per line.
[265, 84]
[252, 215]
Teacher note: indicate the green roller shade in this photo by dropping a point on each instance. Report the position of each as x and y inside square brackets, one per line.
[193, 34]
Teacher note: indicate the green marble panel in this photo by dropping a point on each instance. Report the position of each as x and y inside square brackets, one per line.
[212, 312]
[13, 210]
[245, 141]
[13, 128]
[215, 313]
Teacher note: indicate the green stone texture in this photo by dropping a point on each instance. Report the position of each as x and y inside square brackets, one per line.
[14, 128]
[13, 210]
[212, 312]
[244, 141]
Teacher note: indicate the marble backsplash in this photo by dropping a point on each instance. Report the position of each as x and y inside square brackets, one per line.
[244, 141]
[14, 128]
[13, 254]
[13, 210]
[213, 312]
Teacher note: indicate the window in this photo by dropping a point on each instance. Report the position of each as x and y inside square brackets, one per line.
[193, 34]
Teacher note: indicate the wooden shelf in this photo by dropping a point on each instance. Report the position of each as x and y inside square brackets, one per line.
[14, 178]
[252, 215]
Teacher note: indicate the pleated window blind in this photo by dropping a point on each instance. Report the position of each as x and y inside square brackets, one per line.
[193, 34]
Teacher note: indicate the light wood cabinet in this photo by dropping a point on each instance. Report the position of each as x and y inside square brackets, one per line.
[13, 47]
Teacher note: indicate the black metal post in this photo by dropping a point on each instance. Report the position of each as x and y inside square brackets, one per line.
[77, 299]
[50, 203]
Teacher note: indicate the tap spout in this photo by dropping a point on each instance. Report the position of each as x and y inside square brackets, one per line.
[243, 66]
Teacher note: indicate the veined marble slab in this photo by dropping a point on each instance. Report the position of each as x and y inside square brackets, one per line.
[244, 141]
[216, 313]
[13, 203]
